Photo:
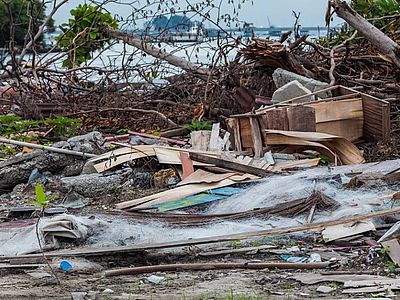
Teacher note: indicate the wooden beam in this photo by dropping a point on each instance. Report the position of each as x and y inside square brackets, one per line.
[256, 136]
[215, 266]
[228, 164]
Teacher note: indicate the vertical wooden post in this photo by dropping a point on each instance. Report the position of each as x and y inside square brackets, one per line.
[256, 136]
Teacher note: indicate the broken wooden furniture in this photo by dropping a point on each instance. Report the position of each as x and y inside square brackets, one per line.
[348, 113]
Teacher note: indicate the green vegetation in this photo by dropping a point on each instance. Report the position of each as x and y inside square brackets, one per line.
[232, 296]
[63, 126]
[323, 159]
[20, 11]
[376, 12]
[198, 125]
[83, 34]
[16, 126]
[41, 199]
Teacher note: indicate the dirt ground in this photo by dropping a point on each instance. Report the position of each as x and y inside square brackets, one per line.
[215, 284]
[240, 284]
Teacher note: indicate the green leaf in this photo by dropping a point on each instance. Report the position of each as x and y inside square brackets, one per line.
[41, 199]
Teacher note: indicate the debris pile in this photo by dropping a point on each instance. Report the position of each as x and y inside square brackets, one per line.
[278, 180]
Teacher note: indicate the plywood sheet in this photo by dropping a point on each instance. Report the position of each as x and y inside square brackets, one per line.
[332, 233]
[330, 144]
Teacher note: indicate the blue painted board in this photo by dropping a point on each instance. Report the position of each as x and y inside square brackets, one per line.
[198, 199]
[190, 201]
[226, 191]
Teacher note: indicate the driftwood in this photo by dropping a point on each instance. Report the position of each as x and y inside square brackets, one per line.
[381, 41]
[216, 266]
[157, 52]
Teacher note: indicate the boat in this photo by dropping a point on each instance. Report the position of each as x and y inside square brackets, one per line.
[195, 34]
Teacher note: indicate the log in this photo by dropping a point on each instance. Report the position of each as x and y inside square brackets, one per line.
[216, 266]
[376, 37]
[157, 52]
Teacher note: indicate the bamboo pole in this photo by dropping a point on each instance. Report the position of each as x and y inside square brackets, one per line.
[47, 148]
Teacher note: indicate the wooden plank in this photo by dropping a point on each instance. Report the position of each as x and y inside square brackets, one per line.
[257, 138]
[351, 129]
[301, 118]
[394, 250]
[200, 140]
[135, 153]
[228, 164]
[201, 176]
[215, 266]
[227, 191]
[237, 137]
[337, 110]
[236, 251]
[276, 119]
[171, 156]
[344, 230]
[187, 165]
[376, 115]
[245, 133]
[206, 240]
[172, 195]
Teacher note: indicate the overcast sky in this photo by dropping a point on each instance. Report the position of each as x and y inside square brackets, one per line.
[261, 12]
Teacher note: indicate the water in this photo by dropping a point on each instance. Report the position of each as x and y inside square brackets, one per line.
[136, 65]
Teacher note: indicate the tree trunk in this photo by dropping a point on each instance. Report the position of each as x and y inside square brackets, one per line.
[381, 41]
[158, 53]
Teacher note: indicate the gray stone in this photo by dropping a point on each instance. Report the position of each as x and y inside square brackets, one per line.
[74, 200]
[325, 289]
[291, 90]
[95, 185]
[140, 140]
[17, 170]
[282, 77]
[88, 168]
[92, 142]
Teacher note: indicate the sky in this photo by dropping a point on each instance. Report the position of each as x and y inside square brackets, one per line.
[261, 12]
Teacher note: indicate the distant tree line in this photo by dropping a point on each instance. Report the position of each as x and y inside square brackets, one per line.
[174, 23]
[17, 16]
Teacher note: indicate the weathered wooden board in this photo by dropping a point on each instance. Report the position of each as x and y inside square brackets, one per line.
[376, 115]
[301, 118]
[342, 118]
[199, 199]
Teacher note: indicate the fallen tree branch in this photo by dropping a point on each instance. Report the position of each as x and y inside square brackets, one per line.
[157, 52]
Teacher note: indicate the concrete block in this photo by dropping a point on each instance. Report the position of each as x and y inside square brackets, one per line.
[291, 90]
[282, 77]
